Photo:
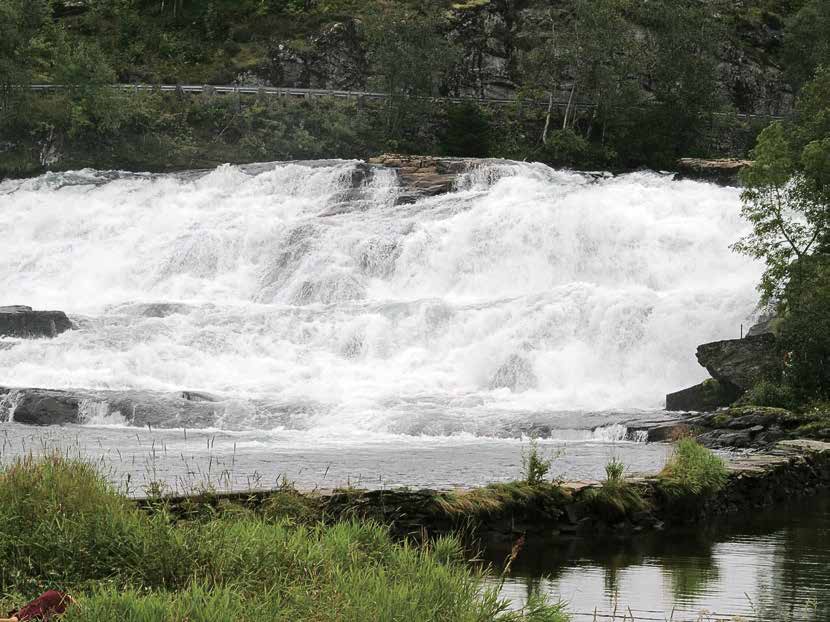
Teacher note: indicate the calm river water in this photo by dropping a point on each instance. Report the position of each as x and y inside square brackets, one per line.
[773, 566]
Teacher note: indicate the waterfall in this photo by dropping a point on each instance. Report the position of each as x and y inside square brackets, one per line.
[308, 300]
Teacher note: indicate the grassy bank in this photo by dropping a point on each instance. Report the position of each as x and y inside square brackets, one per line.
[62, 526]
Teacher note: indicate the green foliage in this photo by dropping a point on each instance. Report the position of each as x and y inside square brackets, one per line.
[773, 394]
[807, 41]
[787, 205]
[804, 335]
[467, 132]
[410, 59]
[62, 526]
[692, 472]
[535, 466]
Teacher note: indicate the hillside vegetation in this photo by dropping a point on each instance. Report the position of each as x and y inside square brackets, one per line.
[667, 77]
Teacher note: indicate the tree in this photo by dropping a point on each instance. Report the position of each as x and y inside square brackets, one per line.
[787, 201]
[20, 23]
[588, 53]
[788, 209]
[807, 41]
[410, 58]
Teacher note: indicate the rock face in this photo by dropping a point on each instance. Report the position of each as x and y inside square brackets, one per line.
[24, 322]
[740, 363]
[720, 171]
[704, 397]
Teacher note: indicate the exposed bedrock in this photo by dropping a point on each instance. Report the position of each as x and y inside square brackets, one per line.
[34, 406]
[423, 176]
[724, 172]
[26, 323]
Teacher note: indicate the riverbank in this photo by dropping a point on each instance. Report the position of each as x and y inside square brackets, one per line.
[506, 511]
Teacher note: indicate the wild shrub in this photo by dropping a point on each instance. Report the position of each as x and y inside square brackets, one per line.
[692, 471]
[535, 466]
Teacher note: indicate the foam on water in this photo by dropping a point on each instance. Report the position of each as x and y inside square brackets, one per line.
[524, 294]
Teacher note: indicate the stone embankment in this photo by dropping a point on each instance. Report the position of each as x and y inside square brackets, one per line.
[503, 512]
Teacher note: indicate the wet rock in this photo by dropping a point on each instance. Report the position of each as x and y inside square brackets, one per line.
[740, 363]
[43, 406]
[516, 374]
[707, 396]
[423, 176]
[25, 323]
[668, 432]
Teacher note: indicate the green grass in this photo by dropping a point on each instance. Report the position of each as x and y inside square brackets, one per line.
[502, 497]
[615, 499]
[692, 471]
[63, 526]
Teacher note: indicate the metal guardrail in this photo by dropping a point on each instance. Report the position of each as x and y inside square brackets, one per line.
[308, 93]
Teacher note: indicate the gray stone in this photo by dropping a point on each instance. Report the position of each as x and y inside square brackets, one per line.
[707, 396]
[26, 323]
[740, 363]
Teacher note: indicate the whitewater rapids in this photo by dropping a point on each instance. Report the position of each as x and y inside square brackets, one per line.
[527, 296]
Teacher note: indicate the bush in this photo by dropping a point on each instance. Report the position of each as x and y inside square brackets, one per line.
[692, 471]
[768, 393]
[535, 466]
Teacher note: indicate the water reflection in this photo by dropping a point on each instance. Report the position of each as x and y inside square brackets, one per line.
[772, 566]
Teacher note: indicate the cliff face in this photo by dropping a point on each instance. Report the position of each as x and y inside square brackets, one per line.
[491, 35]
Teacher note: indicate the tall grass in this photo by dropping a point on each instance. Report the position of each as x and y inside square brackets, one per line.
[692, 471]
[63, 526]
[615, 499]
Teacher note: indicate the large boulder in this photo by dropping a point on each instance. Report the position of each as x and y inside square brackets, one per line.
[741, 363]
[707, 396]
[24, 322]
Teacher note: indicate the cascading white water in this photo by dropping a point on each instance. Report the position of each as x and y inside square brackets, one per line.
[527, 295]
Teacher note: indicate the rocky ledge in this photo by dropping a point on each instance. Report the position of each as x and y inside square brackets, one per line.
[33, 406]
[724, 172]
[424, 176]
[25, 323]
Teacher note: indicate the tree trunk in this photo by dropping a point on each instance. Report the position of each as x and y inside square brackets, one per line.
[568, 107]
[547, 119]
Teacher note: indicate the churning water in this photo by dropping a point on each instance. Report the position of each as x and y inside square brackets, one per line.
[527, 298]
